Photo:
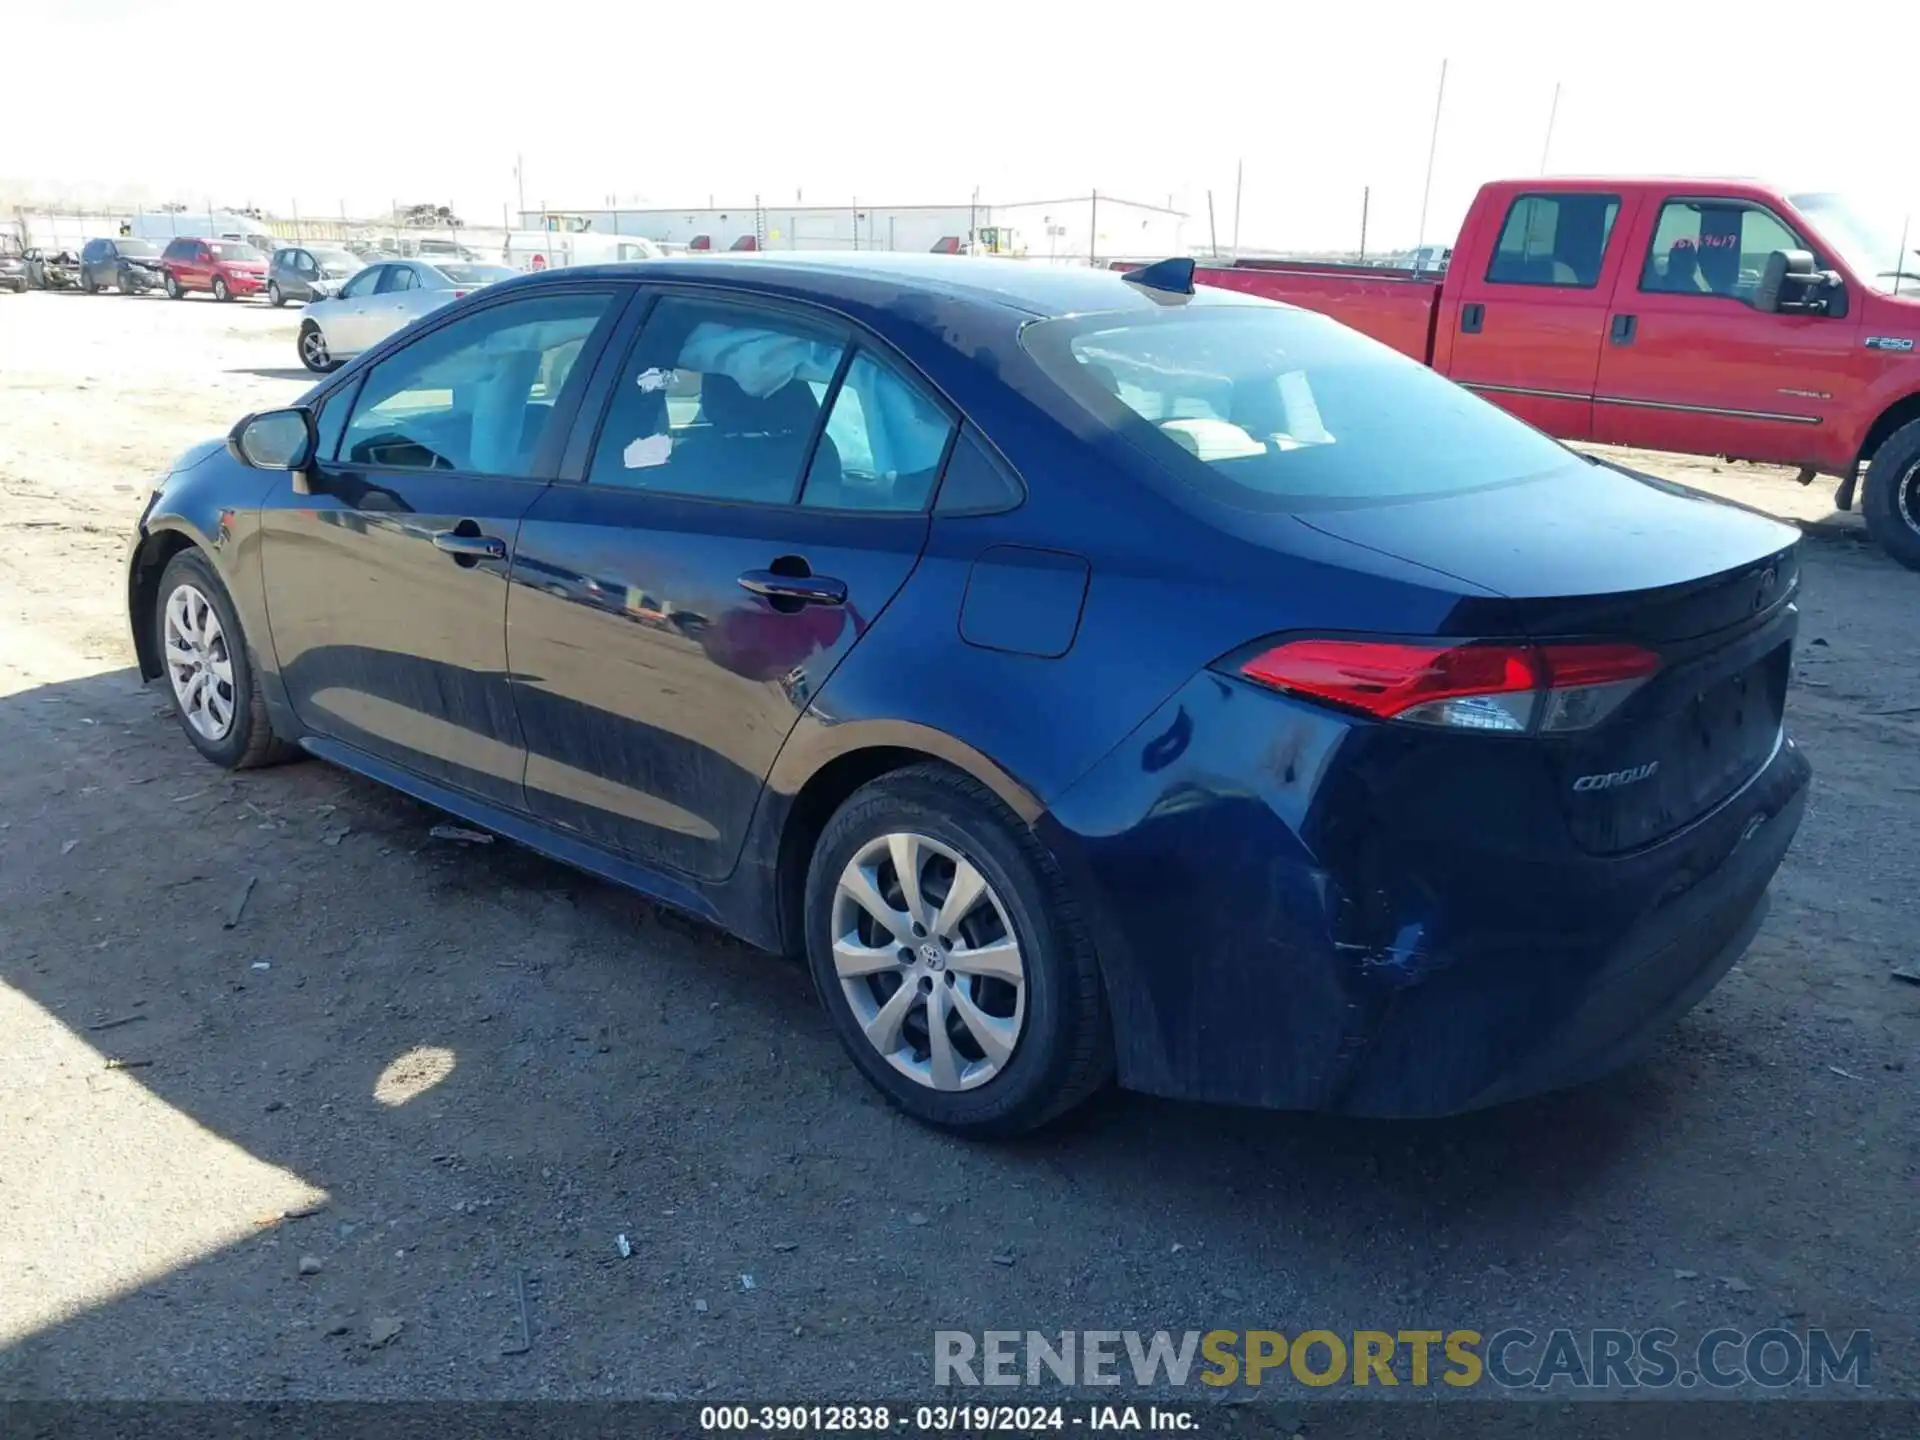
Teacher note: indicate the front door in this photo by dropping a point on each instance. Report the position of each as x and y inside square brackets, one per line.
[386, 586]
[1530, 316]
[1691, 365]
[349, 319]
[756, 494]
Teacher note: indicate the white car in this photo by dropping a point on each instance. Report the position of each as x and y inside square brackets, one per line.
[381, 299]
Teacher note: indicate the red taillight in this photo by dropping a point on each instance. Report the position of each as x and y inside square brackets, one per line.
[461, 294]
[1510, 687]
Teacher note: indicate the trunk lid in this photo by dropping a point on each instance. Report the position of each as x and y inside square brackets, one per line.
[1596, 553]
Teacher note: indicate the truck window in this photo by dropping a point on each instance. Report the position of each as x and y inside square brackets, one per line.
[1713, 247]
[1555, 239]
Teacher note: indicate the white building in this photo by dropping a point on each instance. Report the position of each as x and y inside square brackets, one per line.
[783, 227]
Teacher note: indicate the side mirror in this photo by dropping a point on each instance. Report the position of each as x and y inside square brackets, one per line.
[1789, 281]
[276, 440]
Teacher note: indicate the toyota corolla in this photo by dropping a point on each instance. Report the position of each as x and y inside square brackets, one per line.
[1089, 676]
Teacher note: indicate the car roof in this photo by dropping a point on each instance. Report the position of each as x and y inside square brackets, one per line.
[1030, 287]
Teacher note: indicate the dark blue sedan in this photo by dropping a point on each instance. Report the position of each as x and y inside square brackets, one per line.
[1089, 675]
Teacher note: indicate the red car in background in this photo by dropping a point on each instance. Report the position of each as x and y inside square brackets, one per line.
[1709, 317]
[223, 268]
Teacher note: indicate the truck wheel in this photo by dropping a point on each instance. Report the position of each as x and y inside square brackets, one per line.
[1891, 503]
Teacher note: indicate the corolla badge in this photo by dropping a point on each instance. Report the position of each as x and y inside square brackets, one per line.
[1614, 779]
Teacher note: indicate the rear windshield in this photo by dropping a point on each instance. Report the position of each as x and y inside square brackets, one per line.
[1269, 408]
[234, 250]
[464, 274]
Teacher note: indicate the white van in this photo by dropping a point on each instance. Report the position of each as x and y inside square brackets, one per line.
[553, 250]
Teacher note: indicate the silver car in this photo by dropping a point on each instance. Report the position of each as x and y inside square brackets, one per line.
[380, 300]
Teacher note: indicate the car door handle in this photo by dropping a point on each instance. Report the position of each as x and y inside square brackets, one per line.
[469, 547]
[1472, 317]
[799, 589]
[1623, 329]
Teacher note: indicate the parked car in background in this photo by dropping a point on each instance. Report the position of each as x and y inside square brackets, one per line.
[52, 270]
[223, 268]
[13, 270]
[380, 300]
[307, 272]
[1397, 760]
[1711, 317]
[444, 250]
[130, 265]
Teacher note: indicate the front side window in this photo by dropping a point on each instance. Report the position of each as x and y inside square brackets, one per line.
[884, 441]
[1266, 408]
[1559, 239]
[397, 278]
[96, 250]
[363, 283]
[719, 402]
[474, 395]
[1713, 247]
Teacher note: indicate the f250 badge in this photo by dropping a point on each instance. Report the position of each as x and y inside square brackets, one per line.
[1888, 342]
[1614, 779]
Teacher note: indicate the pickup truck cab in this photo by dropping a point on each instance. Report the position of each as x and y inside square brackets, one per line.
[1711, 317]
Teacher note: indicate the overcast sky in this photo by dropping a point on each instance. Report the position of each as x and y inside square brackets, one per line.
[906, 102]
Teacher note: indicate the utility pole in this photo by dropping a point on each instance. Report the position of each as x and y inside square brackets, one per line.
[1552, 111]
[1239, 174]
[1213, 235]
[1433, 145]
[1366, 198]
[1093, 233]
[520, 184]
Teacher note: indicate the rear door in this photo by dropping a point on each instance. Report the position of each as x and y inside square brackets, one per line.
[1691, 365]
[1532, 312]
[752, 496]
[386, 586]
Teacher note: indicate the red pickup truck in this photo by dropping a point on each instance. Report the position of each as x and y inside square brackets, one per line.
[1706, 316]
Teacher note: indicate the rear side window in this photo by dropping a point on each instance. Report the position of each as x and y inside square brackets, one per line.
[179, 250]
[1267, 408]
[719, 402]
[884, 442]
[1554, 240]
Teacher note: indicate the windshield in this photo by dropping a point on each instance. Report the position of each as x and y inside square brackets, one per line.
[474, 274]
[138, 249]
[1877, 245]
[1274, 409]
[336, 262]
[234, 250]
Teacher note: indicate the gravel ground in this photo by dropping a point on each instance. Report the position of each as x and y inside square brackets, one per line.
[481, 1066]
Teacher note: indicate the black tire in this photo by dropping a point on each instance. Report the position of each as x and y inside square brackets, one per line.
[250, 741]
[324, 363]
[174, 292]
[1891, 502]
[274, 297]
[1064, 1052]
[86, 285]
[220, 290]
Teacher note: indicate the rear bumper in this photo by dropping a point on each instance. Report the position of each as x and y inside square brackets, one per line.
[1227, 947]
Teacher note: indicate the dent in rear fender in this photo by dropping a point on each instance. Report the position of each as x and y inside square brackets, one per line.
[1212, 916]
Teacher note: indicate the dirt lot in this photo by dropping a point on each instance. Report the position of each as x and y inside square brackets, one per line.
[488, 1066]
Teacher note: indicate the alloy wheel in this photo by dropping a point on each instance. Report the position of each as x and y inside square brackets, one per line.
[1906, 498]
[313, 348]
[928, 961]
[199, 664]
